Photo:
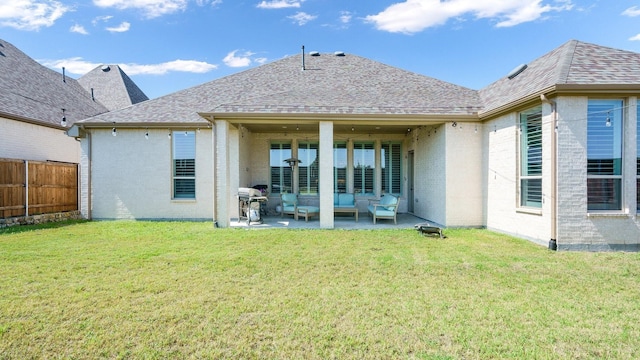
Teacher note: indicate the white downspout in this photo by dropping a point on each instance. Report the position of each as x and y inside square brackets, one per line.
[553, 244]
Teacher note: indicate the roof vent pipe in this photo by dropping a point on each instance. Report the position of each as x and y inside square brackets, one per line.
[64, 77]
[303, 58]
[92, 97]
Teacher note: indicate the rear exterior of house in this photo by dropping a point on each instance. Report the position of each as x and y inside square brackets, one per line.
[547, 154]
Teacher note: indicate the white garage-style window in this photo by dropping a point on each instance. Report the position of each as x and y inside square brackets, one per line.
[531, 158]
[184, 164]
[604, 155]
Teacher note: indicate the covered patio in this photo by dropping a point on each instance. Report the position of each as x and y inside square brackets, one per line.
[405, 221]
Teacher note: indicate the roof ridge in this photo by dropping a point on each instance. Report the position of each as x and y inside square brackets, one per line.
[564, 68]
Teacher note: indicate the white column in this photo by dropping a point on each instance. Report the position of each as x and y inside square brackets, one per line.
[222, 177]
[326, 174]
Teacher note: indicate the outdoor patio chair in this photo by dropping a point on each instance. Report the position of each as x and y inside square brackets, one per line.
[289, 204]
[386, 208]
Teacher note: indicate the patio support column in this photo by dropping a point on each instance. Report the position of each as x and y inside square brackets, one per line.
[326, 174]
[222, 178]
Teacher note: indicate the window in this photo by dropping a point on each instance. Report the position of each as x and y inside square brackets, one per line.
[363, 168]
[391, 180]
[531, 158]
[340, 167]
[280, 170]
[308, 168]
[604, 155]
[184, 165]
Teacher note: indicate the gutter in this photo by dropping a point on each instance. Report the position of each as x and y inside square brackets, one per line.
[553, 244]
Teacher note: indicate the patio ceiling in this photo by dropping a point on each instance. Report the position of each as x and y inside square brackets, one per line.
[337, 128]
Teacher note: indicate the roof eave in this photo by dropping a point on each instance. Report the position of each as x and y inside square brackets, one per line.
[31, 121]
[417, 119]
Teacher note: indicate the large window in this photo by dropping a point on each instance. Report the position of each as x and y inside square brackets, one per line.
[280, 170]
[531, 158]
[308, 168]
[184, 164]
[364, 168]
[340, 167]
[391, 159]
[604, 155]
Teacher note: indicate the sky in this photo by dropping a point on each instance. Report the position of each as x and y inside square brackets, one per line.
[170, 45]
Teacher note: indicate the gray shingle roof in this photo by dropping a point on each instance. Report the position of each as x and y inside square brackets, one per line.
[112, 87]
[31, 91]
[350, 84]
[330, 85]
[575, 63]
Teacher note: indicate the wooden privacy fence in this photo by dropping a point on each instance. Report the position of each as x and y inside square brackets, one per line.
[47, 187]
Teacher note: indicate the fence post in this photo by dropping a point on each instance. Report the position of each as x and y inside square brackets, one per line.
[26, 188]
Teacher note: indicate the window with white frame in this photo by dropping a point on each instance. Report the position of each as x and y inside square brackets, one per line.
[281, 180]
[364, 167]
[308, 168]
[531, 158]
[340, 167]
[604, 155]
[391, 160]
[184, 164]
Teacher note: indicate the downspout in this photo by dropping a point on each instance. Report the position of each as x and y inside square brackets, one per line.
[215, 172]
[553, 245]
[89, 171]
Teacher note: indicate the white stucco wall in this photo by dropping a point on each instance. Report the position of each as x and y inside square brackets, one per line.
[464, 182]
[501, 162]
[579, 229]
[25, 141]
[131, 177]
[430, 185]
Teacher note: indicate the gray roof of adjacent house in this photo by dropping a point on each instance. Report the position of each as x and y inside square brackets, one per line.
[31, 92]
[573, 65]
[329, 84]
[111, 86]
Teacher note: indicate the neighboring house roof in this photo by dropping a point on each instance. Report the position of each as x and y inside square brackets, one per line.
[574, 64]
[31, 92]
[329, 84]
[111, 86]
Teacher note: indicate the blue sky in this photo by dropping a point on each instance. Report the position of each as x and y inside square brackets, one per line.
[170, 45]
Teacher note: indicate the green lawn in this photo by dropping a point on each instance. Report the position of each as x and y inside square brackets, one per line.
[188, 290]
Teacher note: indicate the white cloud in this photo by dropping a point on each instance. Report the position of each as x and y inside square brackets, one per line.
[279, 4]
[302, 18]
[205, 2]
[98, 19]
[260, 60]
[30, 14]
[123, 27]
[79, 66]
[78, 29]
[190, 66]
[635, 38]
[151, 8]
[243, 60]
[632, 11]
[345, 17]
[413, 16]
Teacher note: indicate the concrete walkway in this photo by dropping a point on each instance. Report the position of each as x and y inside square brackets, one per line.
[405, 221]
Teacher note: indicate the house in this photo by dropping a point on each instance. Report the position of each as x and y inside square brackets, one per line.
[34, 100]
[547, 153]
[38, 105]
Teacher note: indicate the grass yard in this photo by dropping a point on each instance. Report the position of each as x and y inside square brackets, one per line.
[186, 290]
